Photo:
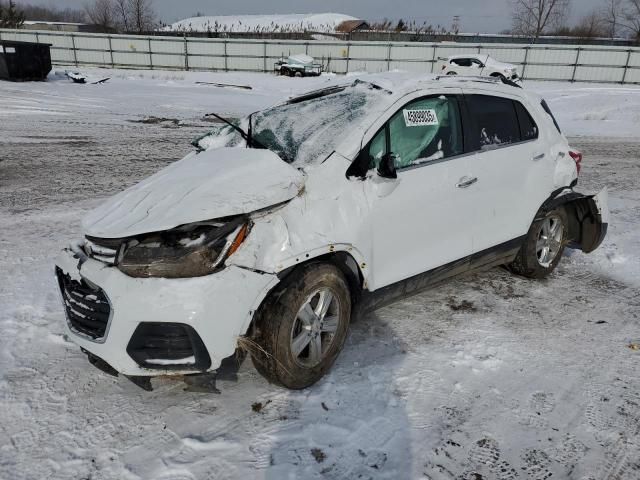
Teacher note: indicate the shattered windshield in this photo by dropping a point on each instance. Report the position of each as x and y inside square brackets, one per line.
[304, 130]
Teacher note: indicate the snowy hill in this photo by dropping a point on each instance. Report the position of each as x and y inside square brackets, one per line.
[321, 22]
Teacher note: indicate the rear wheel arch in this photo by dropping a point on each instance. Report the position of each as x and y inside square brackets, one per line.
[585, 229]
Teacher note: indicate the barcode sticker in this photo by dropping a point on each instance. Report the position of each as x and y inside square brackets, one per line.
[420, 118]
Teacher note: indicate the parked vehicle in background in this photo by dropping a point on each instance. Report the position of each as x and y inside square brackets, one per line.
[477, 65]
[302, 65]
[281, 227]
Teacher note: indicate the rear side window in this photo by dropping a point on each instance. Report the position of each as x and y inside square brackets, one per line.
[528, 127]
[495, 121]
[546, 108]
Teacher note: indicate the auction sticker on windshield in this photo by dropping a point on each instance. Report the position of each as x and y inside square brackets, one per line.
[420, 118]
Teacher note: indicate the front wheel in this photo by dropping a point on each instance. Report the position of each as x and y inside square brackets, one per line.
[543, 247]
[301, 327]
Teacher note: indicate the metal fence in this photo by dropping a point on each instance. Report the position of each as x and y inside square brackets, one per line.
[536, 62]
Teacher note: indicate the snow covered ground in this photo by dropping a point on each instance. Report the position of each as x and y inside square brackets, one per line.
[490, 376]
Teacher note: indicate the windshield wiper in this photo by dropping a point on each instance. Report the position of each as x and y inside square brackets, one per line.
[251, 142]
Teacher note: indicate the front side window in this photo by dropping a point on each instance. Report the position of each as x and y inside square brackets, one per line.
[495, 121]
[425, 130]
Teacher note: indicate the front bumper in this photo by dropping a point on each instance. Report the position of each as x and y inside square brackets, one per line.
[218, 307]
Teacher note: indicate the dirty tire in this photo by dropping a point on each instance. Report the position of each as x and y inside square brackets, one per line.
[527, 261]
[278, 319]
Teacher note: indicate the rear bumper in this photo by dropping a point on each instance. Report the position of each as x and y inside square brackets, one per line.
[214, 311]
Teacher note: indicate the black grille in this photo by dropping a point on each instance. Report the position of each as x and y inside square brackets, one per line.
[168, 346]
[87, 308]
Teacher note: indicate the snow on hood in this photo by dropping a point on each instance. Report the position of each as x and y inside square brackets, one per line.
[212, 184]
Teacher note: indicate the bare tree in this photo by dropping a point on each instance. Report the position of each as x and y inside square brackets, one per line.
[122, 14]
[533, 17]
[102, 13]
[590, 26]
[631, 18]
[142, 15]
[612, 14]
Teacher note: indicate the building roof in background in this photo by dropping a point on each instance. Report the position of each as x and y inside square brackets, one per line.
[349, 26]
[320, 22]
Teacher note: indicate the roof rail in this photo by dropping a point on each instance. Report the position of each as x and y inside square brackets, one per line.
[475, 78]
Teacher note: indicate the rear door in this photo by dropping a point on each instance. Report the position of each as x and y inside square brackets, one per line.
[513, 165]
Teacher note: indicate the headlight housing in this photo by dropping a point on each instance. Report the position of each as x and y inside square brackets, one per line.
[192, 250]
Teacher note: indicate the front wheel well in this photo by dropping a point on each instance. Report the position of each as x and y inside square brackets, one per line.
[347, 265]
[344, 261]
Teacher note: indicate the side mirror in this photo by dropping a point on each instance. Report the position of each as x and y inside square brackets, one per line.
[387, 166]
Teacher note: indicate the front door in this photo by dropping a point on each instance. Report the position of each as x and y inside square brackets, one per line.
[424, 222]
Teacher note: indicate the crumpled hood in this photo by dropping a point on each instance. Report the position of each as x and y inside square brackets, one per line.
[212, 184]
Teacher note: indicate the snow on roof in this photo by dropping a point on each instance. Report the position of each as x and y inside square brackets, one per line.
[320, 22]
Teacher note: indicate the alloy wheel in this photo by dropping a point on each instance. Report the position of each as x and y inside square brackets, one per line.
[549, 241]
[314, 328]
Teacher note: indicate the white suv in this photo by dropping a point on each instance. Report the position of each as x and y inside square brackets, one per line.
[282, 227]
[479, 66]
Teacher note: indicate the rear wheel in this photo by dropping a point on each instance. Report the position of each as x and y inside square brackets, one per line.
[543, 246]
[451, 73]
[301, 327]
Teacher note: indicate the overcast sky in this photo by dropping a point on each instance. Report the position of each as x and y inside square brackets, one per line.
[488, 16]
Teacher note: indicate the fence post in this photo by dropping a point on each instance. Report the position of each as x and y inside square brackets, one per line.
[111, 51]
[526, 57]
[75, 55]
[186, 53]
[348, 55]
[389, 58]
[433, 58]
[626, 67]
[575, 67]
[226, 65]
[264, 59]
[306, 48]
[150, 54]
[37, 38]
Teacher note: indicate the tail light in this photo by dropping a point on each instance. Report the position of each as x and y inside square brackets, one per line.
[444, 66]
[577, 157]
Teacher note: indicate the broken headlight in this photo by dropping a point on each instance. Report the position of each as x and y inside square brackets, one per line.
[190, 251]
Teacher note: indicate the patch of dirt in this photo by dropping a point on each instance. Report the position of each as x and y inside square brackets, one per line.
[463, 306]
[318, 454]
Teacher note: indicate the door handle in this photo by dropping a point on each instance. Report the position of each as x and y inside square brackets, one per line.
[538, 157]
[466, 183]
